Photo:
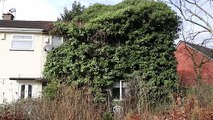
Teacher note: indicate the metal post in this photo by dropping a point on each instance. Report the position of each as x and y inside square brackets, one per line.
[121, 89]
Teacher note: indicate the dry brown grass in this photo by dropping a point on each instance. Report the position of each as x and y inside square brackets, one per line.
[70, 104]
[77, 104]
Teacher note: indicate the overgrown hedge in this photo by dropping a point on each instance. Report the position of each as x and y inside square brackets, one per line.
[110, 43]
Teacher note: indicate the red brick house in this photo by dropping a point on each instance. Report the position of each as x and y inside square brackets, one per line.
[194, 60]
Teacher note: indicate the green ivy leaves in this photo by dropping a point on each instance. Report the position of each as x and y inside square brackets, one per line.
[115, 43]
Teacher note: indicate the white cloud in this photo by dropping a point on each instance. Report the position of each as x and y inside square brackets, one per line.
[44, 9]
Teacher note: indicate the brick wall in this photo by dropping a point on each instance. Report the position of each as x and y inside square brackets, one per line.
[185, 65]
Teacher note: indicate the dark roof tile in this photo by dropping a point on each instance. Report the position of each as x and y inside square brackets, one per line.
[45, 25]
[206, 51]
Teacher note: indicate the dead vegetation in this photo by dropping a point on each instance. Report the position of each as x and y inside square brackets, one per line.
[78, 104]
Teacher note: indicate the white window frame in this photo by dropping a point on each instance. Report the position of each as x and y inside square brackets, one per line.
[22, 40]
[25, 93]
[120, 85]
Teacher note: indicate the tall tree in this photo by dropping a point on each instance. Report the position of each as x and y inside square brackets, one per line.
[68, 15]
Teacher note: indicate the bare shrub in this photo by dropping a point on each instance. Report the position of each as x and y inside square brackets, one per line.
[70, 104]
[12, 112]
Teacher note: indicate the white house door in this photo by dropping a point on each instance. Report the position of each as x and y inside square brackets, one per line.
[26, 91]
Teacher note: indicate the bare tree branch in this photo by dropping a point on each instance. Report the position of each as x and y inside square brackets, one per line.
[187, 13]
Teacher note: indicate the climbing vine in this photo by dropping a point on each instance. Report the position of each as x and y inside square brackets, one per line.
[110, 43]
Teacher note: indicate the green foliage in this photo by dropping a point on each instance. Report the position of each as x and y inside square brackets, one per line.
[68, 15]
[113, 42]
[108, 116]
[51, 90]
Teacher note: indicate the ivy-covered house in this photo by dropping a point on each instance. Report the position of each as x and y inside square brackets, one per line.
[108, 44]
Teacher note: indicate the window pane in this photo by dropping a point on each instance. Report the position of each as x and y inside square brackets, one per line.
[29, 91]
[22, 45]
[22, 91]
[116, 93]
[124, 93]
[44, 84]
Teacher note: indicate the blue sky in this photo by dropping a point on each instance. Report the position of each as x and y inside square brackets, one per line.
[43, 9]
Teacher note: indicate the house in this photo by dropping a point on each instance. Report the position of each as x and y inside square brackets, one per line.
[22, 51]
[193, 59]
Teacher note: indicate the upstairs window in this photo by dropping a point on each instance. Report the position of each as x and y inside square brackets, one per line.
[22, 42]
[57, 41]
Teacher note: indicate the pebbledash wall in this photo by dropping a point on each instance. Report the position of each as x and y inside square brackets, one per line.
[21, 70]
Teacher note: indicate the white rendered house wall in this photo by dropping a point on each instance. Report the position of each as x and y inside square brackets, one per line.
[21, 64]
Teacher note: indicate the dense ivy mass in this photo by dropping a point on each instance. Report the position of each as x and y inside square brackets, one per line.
[110, 43]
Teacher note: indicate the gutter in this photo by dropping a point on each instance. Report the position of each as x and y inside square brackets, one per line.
[36, 79]
[21, 30]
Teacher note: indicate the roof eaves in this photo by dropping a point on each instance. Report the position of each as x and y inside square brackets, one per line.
[189, 45]
[21, 30]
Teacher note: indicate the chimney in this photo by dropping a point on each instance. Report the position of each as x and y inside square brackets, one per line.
[8, 16]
